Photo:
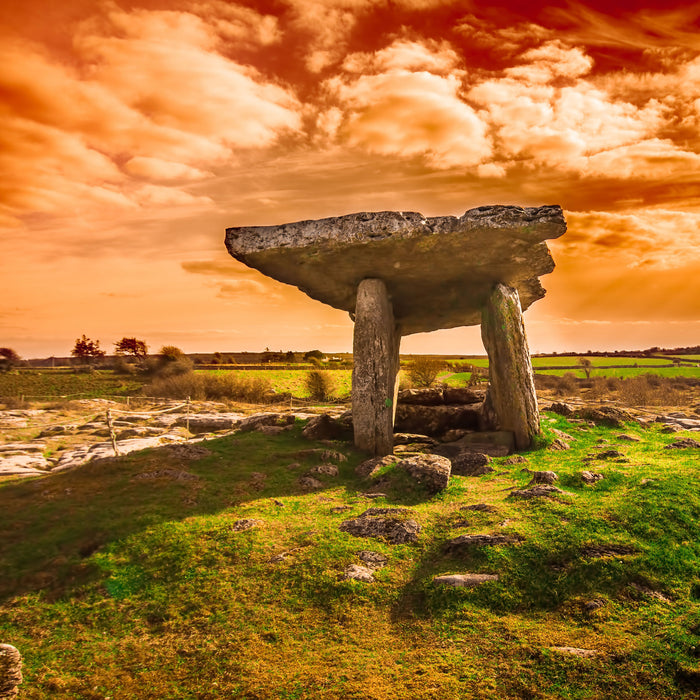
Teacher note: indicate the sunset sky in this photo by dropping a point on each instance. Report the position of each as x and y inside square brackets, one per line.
[133, 133]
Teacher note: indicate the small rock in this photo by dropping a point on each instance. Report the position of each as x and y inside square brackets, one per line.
[628, 438]
[481, 507]
[322, 454]
[167, 473]
[393, 530]
[671, 429]
[274, 429]
[599, 551]
[464, 580]
[559, 444]
[373, 495]
[432, 471]
[592, 605]
[541, 491]
[356, 572]
[471, 464]
[583, 653]
[609, 454]
[245, 524]
[563, 409]
[188, 450]
[327, 469]
[515, 459]
[561, 434]
[590, 477]
[373, 560]
[469, 541]
[278, 503]
[340, 509]
[308, 482]
[656, 595]
[686, 443]
[544, 477]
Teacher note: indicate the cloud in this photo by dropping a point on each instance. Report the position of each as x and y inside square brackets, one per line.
[658, 239]
[145, 94]
[163, 170]
[410, 106]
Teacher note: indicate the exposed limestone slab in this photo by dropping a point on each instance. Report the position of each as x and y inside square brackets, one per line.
[439, 271]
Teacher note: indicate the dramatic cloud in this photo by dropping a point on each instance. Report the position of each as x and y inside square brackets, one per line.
[407, 102]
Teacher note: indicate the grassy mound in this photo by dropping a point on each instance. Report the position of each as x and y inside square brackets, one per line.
[135, 578]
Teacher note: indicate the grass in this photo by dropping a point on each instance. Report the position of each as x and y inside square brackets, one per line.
[119, 587]
[49, 384]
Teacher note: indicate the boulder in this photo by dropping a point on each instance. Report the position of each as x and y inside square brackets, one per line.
[431, 396]
[432, 471]
[590, 477]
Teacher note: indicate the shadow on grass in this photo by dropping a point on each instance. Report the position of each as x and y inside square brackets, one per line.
[52, 525]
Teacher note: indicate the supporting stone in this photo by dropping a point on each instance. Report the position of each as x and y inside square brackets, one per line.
[374, 378]
[511, 394]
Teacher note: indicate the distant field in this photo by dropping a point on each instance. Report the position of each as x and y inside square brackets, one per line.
[292, 381]
[47, 384]
[628, 372]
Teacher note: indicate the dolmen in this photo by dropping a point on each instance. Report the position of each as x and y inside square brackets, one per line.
[399, 273]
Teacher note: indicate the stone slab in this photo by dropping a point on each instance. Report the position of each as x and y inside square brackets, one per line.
[439, 271]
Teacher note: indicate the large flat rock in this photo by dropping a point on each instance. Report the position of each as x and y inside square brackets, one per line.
[438, 271]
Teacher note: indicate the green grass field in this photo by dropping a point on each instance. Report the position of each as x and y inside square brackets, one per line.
[118, 583]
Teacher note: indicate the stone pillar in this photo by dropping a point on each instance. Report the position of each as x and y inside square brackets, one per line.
[376, 365]
[10, 671]
[511, 394]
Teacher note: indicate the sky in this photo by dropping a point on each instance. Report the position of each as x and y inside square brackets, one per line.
[132, 133]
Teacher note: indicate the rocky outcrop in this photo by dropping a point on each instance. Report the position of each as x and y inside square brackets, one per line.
[326, 427]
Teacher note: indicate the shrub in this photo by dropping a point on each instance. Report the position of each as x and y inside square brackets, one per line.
[424, 370]
[121, 365]
[201, 386]
[320, 385]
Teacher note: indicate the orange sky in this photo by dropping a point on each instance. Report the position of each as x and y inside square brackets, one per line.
[133, 133]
